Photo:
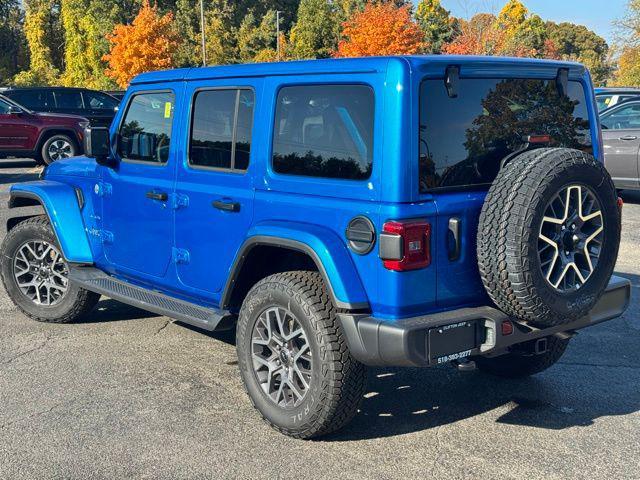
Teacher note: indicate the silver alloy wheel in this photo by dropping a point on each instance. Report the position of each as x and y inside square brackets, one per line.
[281, 357]
[41, 272]
[59, 149]
[570, 238]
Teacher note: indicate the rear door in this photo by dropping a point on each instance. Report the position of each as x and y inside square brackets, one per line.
[463, 140]
[214, 182]
[16, 132]
[621, 137]
[68, 101]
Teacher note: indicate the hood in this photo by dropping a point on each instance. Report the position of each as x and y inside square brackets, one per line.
[54, 116]
[74, 167]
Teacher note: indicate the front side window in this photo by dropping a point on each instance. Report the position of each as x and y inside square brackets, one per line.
[622, 118]
[4, 107]
[221, 129]
[324, 131]
[99, 101]
[145, 132]
[463, 140]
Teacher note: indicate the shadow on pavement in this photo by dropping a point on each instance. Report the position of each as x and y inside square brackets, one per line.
[25, 176]
[404, 400]
[108, 310]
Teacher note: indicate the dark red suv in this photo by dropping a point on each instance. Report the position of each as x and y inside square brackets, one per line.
[45, 137]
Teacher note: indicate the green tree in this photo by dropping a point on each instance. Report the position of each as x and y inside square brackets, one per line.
[42, 28]
[220, 34]
[189, 51]
[315, 33]
[578, 43]
[257, 40]
[13, 43]
[436, 23]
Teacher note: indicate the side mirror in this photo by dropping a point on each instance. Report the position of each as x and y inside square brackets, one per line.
[15, 110]
[96, 144]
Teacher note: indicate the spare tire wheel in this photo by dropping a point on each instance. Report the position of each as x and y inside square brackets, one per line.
[548, 236]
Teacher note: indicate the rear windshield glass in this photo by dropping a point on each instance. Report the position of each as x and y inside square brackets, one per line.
[463, 140]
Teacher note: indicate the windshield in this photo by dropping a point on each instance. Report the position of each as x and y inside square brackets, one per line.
[463, 140]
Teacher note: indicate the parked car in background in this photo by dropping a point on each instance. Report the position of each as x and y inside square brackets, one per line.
[118, 94]
[98, 107]
[45, 137]
[608, 97]
[621, 137]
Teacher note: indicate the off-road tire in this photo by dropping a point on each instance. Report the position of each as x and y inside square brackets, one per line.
[338, 380]
[508, 231]
[519, 365]
[44, 151]
[77, 301]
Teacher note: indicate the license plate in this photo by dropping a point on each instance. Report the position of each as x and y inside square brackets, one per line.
[452, 342]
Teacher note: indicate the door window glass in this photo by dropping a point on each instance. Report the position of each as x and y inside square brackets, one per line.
[99, 101]
[68, 99]
[324, 131]
[145, 132]
[622, 118]
[4, 107]
[221, 129]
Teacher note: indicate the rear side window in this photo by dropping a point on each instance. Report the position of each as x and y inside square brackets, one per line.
[33, 99]
[463, 140]
[145, 132]
[324, 131]
[68, 99]
[221, 129]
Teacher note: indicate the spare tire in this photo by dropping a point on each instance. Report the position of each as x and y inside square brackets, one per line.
[548, 236]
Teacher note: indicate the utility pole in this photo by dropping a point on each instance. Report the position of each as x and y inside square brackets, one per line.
[204, 46]
[278, 12]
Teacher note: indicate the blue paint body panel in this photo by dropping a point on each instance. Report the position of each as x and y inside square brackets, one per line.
[128, 236]
[61, 204]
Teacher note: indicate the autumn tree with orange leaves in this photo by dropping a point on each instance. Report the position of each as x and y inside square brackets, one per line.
[381, 29]
[146, 44]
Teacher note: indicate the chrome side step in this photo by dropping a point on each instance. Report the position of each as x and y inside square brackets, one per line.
[96, 280]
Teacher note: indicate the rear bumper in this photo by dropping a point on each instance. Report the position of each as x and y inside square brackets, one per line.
[408, 342]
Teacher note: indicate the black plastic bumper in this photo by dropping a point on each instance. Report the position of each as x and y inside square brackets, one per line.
[415, 341]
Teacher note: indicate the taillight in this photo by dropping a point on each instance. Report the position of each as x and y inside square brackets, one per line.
[405, 245]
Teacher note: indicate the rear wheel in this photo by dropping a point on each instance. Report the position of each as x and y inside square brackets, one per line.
[58, 147]
[294, 359]
[518, 364]
[35, 275]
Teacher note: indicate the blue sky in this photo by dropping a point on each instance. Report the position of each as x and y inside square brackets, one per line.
[597, 15]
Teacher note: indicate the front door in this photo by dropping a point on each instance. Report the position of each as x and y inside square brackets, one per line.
[214, 184]
[621, 138]
[137, 192]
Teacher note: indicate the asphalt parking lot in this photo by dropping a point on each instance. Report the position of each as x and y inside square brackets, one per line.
[127, 394]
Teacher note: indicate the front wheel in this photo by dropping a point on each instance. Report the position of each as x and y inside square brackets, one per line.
[35, 275]
[294, 359]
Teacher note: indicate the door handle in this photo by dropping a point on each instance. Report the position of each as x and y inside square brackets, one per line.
[226, 206]
[629, 137]
[453, 240]
[161, 196]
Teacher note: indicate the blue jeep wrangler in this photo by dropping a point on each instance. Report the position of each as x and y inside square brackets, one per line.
[401, 211]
